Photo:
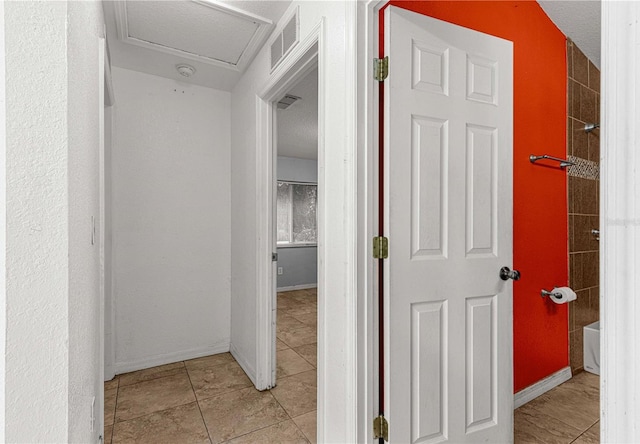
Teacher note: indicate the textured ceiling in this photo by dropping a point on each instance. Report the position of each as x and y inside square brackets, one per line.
[298, 124]
[578, 20]
[191, 26]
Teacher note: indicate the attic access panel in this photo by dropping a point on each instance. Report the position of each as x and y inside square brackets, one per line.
[201, 30]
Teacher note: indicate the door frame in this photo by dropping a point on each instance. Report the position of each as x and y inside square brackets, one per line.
[350, 410]
[102, 63]
[617, 326]
[367, 136]
[105, 99]
[302, 59]
[620, 352]
[3, 226]
[108, 96]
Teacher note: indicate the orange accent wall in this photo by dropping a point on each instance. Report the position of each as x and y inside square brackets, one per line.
[540, 327]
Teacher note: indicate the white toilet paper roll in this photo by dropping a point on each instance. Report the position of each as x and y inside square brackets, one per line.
[567, 293]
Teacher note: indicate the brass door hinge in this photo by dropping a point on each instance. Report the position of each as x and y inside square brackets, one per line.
[380, 247]
[381, 69]
[380, 428]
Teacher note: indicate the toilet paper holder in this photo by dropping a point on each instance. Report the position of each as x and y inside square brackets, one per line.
[555, 294]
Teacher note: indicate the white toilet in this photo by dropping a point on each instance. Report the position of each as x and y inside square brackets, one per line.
[592, 348]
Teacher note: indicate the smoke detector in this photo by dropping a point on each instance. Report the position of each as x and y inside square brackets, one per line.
[185, 70]
[287, 101]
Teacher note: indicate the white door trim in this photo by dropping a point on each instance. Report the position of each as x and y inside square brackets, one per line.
[101, 220]
[3, 225]
[338, 417]
[619, 227]
[367, 186]
[110, 98]
[107, 99]
[329, 375]
[302, 59]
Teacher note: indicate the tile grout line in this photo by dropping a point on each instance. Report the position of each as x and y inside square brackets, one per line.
[223, 393]
[149, 413]
[115, 407]
[287, 376]
[198, 404]
[581, 432]
[306, 360]
[197, 401]
[115, 410]
[550, 393]
[586, 86]
[266, 427]
[565, 429]
[584, 432]
[302, 345]
[282, 407]
[146, 380]
[214, 365]
[314, 368]
[155, 412]
[288, 415]
[294, 421]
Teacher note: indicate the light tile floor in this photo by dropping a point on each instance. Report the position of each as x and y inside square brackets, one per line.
[211, 400]
[570, 413]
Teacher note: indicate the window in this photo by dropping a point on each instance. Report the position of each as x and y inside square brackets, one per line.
[296, 210]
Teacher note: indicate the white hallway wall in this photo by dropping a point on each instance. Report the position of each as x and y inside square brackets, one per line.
[336, 376]
[85, 24]
[170, 213]
[52, 130]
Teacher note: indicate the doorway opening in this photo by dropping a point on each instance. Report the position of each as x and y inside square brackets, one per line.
[520, 162]
[296, 234]
[289, 300]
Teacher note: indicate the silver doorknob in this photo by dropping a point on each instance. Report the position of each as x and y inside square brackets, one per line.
[506, 273]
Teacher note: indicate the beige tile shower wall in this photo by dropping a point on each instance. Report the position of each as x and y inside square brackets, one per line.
[583, 196]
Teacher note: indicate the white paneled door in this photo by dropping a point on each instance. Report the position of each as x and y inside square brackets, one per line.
[448, 215]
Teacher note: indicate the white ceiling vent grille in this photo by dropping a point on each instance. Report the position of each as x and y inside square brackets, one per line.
[285, 40]
[287, 101]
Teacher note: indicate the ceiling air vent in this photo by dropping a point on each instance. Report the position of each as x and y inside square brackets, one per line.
[287, 101]
[276, 51]
[286, 39]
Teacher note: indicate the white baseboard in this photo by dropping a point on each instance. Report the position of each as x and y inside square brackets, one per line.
[297, 287]
[242, 361]
[541, 387]
[168, 358]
